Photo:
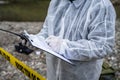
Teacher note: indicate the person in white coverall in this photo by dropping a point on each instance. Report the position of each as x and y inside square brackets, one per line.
[82, 31]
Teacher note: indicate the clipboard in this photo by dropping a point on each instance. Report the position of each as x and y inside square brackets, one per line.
[41, 44]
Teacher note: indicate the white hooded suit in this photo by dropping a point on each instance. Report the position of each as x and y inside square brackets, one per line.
[87, 28]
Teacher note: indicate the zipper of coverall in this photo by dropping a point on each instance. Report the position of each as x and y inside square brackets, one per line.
[70, 28]
[62, 31]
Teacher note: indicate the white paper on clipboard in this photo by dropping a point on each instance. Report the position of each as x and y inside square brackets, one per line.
[41, 44]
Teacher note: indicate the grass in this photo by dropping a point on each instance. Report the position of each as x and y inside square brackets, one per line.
[24, 11]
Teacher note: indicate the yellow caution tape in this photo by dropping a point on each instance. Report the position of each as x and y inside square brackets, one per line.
[33, 75]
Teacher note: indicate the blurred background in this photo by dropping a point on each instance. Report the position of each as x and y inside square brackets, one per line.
[31, 10]
[23, 10]
[19, 15]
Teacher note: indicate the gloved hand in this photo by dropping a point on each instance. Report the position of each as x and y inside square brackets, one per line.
[55, 43]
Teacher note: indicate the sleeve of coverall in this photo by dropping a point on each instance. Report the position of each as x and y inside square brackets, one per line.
[44, 31]
[100, 38]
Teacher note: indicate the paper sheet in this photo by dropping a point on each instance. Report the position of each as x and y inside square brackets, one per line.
[41, 44]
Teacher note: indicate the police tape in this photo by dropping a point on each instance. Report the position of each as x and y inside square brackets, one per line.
[33, 75]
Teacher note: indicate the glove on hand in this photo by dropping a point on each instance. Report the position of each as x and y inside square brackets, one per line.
[55, 43]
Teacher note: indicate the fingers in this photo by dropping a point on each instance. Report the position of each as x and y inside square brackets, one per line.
[51, 39]
[54, 42]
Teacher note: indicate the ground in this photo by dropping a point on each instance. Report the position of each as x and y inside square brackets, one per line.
[37, 62]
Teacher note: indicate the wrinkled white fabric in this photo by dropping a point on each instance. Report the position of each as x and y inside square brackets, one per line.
[87, 28]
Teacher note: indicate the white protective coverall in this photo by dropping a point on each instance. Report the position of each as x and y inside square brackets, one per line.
[87, 28]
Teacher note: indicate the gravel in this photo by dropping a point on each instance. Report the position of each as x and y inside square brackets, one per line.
[35, 61]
